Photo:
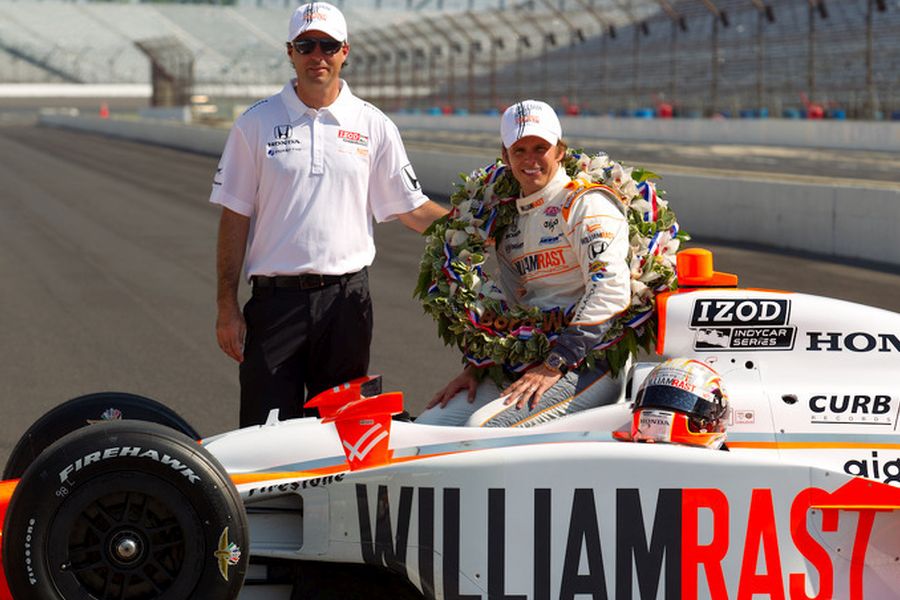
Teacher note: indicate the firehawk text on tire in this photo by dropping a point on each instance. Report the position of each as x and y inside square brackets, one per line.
[128, 511]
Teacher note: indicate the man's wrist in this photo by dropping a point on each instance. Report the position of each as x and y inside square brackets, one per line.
[556, 362]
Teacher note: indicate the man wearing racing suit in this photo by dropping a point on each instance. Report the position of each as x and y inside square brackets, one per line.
[567, 249]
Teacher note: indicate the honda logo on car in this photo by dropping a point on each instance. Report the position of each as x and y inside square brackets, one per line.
[128, 452]
[742, 324]
[661, 548]
[857, 341]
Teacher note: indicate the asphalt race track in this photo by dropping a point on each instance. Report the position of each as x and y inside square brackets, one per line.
[107, 255]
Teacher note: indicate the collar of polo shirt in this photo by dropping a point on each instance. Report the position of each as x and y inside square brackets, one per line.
[341, 109]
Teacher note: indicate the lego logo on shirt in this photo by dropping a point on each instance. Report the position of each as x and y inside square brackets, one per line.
[352, 137]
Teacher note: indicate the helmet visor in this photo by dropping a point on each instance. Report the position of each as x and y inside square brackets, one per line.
[672, 398]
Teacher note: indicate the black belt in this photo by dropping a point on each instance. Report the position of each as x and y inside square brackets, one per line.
[307, 281]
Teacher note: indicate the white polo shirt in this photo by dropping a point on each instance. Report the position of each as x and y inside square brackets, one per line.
[312, 181]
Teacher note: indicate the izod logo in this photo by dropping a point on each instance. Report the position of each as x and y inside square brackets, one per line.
[748, 313]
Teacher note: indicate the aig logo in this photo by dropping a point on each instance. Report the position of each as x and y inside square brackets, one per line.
[283, 132]
[748, 313]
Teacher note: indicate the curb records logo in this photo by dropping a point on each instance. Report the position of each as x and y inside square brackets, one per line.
[726, 324]
[409, 178]
[852, 409]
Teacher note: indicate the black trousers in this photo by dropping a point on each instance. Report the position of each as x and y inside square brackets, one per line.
[301, 342]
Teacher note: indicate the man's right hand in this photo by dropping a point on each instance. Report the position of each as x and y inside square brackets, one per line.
[466, 380]
[230, 332]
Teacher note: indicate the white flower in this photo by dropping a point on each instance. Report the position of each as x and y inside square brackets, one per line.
[584, 177]
[640, 293]
[598, 163]
[456, 237]
[640, 205]
[671, 247]
[619, 174]
[629, 188]
[489, 290]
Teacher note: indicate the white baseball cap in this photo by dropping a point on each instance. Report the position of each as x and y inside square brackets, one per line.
[529, 117]
[318, 16]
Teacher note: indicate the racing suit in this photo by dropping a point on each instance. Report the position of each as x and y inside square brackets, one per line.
[567, 249]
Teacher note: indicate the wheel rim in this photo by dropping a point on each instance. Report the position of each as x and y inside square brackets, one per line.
[127, 544]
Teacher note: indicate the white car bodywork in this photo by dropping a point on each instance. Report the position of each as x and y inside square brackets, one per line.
[803, 505]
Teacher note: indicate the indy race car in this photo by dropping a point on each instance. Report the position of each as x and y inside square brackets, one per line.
[354, 504]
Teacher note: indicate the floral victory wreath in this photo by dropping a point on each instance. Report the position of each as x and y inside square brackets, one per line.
[505, 339]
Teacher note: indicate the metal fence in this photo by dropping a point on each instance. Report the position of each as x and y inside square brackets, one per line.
[838, 58]
[691, 58]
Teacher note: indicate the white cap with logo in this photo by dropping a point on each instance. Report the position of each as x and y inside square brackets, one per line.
[529, 117]
[318, 16]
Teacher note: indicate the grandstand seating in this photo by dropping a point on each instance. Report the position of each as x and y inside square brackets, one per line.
[94, 42]
[484, 60]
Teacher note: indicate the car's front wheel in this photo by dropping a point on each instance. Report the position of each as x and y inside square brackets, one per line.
[127, 511]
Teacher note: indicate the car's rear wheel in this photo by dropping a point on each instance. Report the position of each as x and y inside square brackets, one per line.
[125, 511]
[83, 411]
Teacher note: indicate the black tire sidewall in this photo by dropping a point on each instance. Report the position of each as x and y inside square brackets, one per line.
[60, 473]
[82, 411]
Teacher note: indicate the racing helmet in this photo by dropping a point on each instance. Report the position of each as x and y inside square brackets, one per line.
[681, 401]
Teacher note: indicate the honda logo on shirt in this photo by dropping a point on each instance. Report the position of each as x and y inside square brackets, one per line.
[283, 132]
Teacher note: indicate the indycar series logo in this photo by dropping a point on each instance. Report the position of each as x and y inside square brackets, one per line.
[725, 324]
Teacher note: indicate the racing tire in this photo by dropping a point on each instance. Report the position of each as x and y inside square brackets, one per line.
[83, 411]
[125, 510]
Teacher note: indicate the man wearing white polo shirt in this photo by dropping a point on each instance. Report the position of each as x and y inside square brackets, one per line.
[302, 175]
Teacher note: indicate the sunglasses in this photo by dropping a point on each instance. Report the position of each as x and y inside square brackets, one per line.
[306, 46]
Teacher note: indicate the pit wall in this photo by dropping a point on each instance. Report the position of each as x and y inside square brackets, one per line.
[848, 135]
[831, 220]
